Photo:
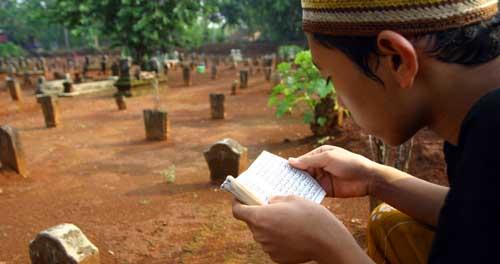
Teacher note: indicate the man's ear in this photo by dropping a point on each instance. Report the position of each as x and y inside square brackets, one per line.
[399, 55]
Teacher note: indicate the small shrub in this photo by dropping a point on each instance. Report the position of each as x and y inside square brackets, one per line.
[302, 84]
[11, 50]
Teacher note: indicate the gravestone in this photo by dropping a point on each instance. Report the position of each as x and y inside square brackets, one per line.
[115, 69]
[214, 71]
[59, 76]
[40, 85]
[275, 79]
[154, 65]
[86, 66]
[156, 124]
[78, 78]
[14, 89]
[50, 110]
[104, 62]
[120, 101]
[249, 65]
[186, 75]
[63, 244]
[257, 65]
[267, 73]
[244, 79]
[125, 66]
[11, 70]
[234, 87]
[124, 83]
[217, 105]
[137, 72]
[11, 152]
[68, 87]
[226, 157]
[27, 78]
[166, 67]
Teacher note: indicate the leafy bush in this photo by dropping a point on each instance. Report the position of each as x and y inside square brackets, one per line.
[11, 50]
[288, 52]
[301, 84]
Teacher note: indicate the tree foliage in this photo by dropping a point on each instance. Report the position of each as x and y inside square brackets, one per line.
[29, 24]
[142, 26]
[11, 50]
[276, 20]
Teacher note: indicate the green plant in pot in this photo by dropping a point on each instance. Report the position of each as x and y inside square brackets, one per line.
[303, 88]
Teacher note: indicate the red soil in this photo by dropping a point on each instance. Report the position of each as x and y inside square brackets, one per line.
[98, 172]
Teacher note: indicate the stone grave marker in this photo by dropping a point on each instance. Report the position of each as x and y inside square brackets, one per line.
[186, 75]
[63, 244]
[115, 69]
[275, 79]
[50, 110]
[59, 75]
[104, 62]
[27, 78]
[14, 89]
[120, 101]
[244, 79]
[214, 71]
[217, 105]
[234, 87]
[40, 84]
[11, 151]
[157, 124]
[267, 73]
[68, 84]
[11, 70]
[226, 157]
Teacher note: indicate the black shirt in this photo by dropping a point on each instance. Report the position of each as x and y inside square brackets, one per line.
[468, 229]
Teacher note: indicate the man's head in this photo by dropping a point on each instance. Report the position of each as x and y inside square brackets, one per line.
[384, 56]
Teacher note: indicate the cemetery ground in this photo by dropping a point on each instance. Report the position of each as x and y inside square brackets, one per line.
[98, 172]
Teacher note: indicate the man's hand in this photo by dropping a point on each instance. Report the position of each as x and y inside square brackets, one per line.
[293, 230]
[340, 172]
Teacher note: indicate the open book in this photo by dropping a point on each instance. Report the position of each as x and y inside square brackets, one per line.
[268, 176]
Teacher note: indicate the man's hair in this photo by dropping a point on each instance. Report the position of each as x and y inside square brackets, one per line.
[469, 45]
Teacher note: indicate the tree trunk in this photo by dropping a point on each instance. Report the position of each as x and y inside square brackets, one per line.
[398, 157]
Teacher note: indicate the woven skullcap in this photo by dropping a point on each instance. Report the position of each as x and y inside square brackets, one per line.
[367, 18]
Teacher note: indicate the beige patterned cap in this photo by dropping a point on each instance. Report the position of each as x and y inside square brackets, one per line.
[369, 17]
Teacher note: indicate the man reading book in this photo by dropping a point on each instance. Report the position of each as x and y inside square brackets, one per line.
[400, 66]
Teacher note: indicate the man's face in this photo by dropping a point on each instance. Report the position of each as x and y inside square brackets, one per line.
[387, 111]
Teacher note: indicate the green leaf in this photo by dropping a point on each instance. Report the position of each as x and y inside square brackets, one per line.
[321, 120]
[323, 89]
[283, 108]
[308, 117]
[284, 67]
[273, 100]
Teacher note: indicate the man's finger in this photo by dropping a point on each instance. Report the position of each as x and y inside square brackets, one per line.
[243, 212]
[284, 199]
[296, 162]
[319, 160]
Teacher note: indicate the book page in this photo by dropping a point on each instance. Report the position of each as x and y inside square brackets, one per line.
[270, 175]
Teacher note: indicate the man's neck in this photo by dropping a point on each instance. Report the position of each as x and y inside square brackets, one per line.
[454, 93]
